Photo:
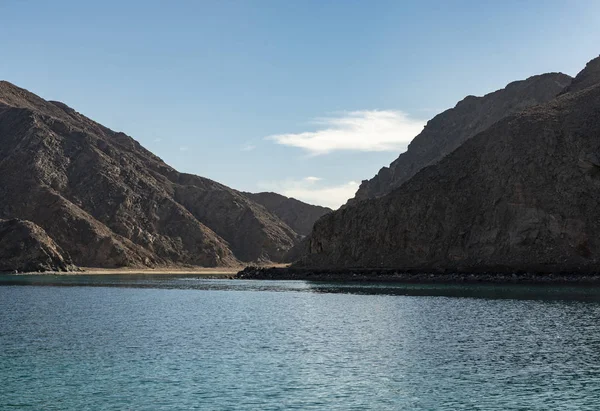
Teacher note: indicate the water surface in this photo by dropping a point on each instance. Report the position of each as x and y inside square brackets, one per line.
[163, 342]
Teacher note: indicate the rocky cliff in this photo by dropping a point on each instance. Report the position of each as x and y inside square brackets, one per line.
[521, 195]
[298, 215]
[587, 77]
[25, 247]
[109, 202]
[448, 130]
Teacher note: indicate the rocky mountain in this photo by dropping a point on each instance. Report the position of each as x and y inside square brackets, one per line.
[521, 195]
[588, 77]
[298, 215]
[25, 247]
[109, 202]
[450, 129]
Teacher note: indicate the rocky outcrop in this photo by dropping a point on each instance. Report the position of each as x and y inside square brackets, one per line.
[25, 247]
[450, 129]
[109, 202]
[522, 195]
[587, 77]
[298, 215]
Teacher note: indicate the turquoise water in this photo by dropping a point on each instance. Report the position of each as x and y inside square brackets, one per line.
[178, 343]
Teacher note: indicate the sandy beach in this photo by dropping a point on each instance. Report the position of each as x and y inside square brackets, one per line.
[221, 271]
[200, 271]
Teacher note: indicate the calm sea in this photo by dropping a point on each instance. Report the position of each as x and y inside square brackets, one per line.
[179, 343]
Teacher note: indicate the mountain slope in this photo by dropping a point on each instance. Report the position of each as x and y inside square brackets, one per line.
[108, 202]
[587, 77]
[298, 215]
[25, 247]
[521, 195]
[448, 130]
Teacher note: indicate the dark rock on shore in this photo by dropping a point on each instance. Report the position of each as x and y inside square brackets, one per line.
[25, 247]
[450, 129]
[522, 195]
[497, 275]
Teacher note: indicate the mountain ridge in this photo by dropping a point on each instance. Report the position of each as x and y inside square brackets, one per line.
[448, 130]
[519, 195]
[110, 202]
[300, 216]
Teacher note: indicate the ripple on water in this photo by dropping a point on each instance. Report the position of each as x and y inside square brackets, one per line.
[166, 343]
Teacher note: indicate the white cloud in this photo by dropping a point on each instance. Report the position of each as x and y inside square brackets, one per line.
[248, 147]
[312, 179]
[183, 148]
[309, 191]
[366, 130]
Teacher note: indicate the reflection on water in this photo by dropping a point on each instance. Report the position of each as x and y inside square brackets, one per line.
[194, 282]
[166, 343]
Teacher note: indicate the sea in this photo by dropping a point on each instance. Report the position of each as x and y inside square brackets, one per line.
[183, 342]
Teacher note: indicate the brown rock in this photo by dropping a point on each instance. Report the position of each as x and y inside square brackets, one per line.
[25, 247]
[587, 77]
[109, 202]
[298, 215]
[450, 129]
[522, 195]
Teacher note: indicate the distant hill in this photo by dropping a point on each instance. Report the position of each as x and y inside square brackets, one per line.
[448, 130]
[520, 195]
[298, 215]
[108, 202]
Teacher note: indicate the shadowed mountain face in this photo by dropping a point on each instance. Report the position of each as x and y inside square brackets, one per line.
[522, 194]
[109, 202]
[448, 130]
[587, 77]
[298, 215]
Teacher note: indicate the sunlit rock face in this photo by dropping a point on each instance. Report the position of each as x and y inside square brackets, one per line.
[108, 202]
[25, 247]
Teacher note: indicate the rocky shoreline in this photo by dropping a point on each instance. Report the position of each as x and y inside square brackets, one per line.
[414, 276]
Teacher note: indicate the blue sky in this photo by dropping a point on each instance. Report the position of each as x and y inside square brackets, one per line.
[306, 98]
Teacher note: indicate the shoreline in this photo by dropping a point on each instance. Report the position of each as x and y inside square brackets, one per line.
[163, 270]
[414, 277]
[283, 272]
[219, 272]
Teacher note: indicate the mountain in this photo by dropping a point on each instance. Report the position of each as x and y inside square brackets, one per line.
[298, 215]
[521, 195]
[108, 202]
[448, 130]
[25, 247]
[589, 76]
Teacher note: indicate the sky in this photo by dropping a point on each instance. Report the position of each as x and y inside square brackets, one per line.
[304, 98]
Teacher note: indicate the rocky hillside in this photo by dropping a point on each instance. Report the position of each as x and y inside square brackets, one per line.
[448, 130]
[109, 202]
[589, 76]
[522, 195]
[25, 247]
[298, 215]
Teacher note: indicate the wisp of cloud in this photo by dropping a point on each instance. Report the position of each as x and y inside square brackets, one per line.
[309, 190]
[366, 130]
